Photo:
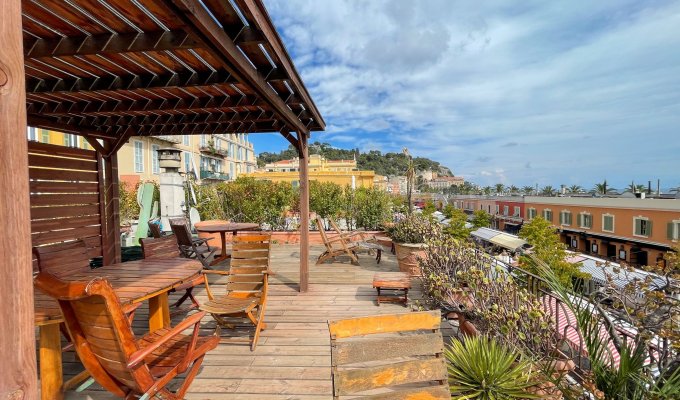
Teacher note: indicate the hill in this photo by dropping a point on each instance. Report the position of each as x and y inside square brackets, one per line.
[387, 164]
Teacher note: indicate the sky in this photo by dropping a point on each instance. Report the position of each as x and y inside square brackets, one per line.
[523, 93]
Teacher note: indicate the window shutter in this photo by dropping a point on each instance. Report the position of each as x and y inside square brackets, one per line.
[649, 228]
[638, 227]
[670, 230]
[569, 216]
[581, 219]
[561, 218]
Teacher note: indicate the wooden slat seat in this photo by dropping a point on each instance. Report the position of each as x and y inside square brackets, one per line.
[247, 284]
[400, 354]
[166, 356]
[336, 246]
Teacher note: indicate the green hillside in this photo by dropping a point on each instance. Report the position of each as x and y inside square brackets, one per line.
[387, 164]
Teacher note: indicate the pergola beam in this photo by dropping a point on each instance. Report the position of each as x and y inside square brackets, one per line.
[108, 44]
[127, 82]
[155, 105]
[108, 123]
[204, 28]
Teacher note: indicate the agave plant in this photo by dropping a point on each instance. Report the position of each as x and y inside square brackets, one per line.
[481, 368]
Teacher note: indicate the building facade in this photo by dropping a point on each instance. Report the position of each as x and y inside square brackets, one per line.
[445, 182]
[341, 172]
[633, 230]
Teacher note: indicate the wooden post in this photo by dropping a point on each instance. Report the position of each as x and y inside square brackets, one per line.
[304, 212]
[111, 228]
[19, 378]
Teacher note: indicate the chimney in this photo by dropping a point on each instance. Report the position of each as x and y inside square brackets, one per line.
[649, 188]
[171, 185]
[658, 187]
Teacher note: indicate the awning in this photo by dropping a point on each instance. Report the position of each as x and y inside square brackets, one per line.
[485, 233]
[508, 241]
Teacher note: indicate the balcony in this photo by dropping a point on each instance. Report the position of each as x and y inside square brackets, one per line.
[211, 149]
[217, 176]
[168, 138]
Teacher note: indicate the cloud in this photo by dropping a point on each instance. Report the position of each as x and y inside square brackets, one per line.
[585, 88]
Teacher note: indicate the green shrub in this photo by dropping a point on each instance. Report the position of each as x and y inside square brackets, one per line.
[415, 228]
[372, 208]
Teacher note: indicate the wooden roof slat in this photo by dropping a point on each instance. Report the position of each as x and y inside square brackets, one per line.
[129, 82]
[62, 19]
[104, 15]
[109, 43]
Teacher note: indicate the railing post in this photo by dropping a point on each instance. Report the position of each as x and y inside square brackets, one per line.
[18, 379]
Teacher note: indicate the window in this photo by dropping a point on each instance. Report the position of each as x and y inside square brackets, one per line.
[674, 230]
[565, 218]
[547, 215]
[45, 136]
[232, 170]
[186, 140]
[218, 143]
[204, 141]
[516, 212]
[506, 210]
[187, 162]
[608, 223]
[154, 159]
[643, 226]
[585, 220]
[498, 209]
[593, 248]
[531, 213]
[139, 156]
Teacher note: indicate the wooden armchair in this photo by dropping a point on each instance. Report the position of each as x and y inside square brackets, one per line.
[155, 229]
[190, 247]
[121, 363]
[247, 284]
[352, 235]
[373, 352]
[339, 245]
[166, 247]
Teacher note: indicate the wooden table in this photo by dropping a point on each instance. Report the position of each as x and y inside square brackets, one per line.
[394, 281]
[222, 227]
[134, 282]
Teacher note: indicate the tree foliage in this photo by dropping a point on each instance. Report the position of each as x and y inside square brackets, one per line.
[481, 219]
[456, 227]
[546, 246]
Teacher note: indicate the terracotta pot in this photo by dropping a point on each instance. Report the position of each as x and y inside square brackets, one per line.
[467, 328]
[407, 257]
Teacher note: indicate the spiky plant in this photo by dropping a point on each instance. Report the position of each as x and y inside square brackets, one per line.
[481, 368]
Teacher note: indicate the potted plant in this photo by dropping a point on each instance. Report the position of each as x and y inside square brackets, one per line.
[409, 236]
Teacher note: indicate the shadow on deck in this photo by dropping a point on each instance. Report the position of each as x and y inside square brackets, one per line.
[292, 360]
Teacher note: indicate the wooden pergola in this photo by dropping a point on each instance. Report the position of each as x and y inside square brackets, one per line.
[108, 70]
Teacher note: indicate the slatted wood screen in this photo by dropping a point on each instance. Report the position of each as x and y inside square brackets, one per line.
[65, 196]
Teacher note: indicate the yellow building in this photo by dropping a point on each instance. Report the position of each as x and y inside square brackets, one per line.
[212, 157]
[342, 172]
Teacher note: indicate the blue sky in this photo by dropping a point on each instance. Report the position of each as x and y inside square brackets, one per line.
[538, 92]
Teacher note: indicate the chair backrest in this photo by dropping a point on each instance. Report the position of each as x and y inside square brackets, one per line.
[155, 229]
[63, 259]
[250, 258]
[335, 226]
[162, 247]
[100, 331]
[181, 230]
[388, 357]
[322, 232]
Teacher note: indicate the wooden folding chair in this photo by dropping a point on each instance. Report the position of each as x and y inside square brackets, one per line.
[246, 287]
[352, 235]
[382, 352]
[124, 365]
[155, 229]
[336, 246]
[189, 247]
[166, 247]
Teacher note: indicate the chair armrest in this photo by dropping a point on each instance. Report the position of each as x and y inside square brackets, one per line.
[215, 272]
[139, 355]
[337, 239]
[200, 241]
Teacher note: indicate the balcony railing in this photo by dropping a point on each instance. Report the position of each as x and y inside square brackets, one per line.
[168, 138]
[213, 150]
[218, 176]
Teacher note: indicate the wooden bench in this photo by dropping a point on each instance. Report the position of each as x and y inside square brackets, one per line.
[372, 354]
[393, 281]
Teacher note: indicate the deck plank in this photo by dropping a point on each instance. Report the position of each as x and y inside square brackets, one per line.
[292, 360]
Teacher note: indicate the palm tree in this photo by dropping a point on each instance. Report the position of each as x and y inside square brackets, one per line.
[527, 190]
[513, 189]
[575, 189]
[487, 190]
[633, 188]
[548, 191]
[603, 189]
[499, 188]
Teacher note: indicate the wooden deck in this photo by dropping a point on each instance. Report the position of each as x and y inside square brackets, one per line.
[292, 360]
